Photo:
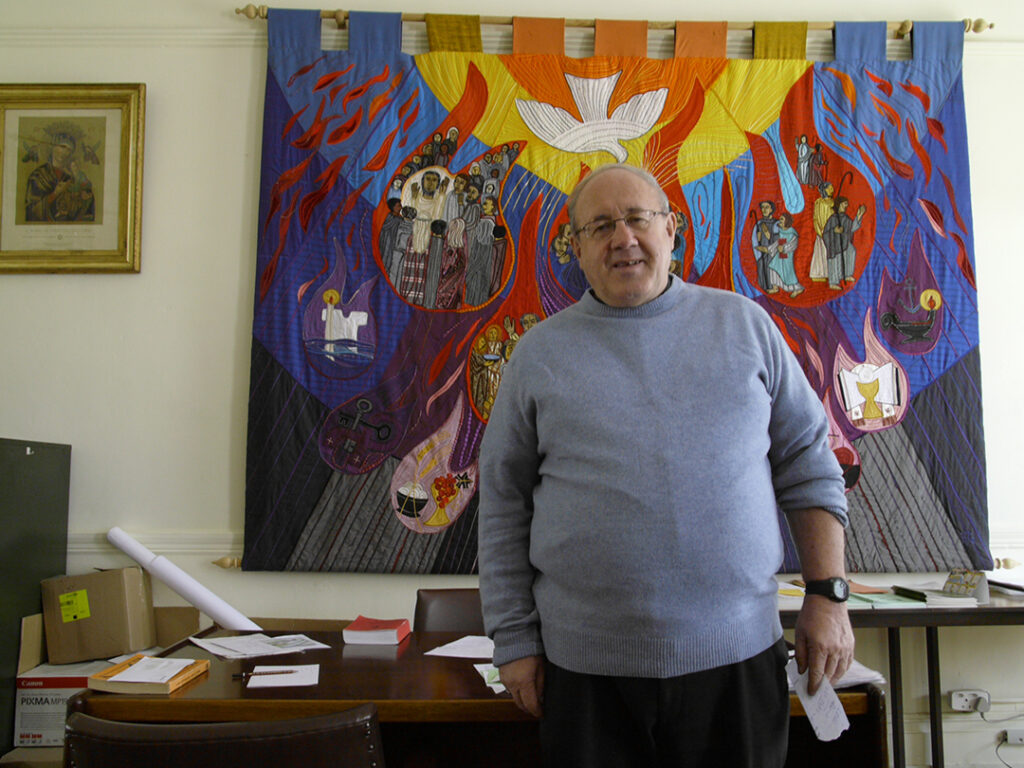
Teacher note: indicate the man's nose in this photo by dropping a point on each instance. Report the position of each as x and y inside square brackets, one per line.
[622, 235]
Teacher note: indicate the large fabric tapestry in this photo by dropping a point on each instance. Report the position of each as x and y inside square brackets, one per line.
[412, 228]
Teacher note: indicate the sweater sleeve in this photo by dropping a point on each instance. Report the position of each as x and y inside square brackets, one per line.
[509, 473]
[805, 472]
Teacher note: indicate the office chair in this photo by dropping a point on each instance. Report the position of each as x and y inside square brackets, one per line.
[349, 739]
[448, 610]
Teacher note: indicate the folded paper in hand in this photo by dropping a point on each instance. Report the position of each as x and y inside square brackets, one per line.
[824, 710]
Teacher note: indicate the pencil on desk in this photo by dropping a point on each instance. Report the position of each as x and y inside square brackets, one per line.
[245, 675]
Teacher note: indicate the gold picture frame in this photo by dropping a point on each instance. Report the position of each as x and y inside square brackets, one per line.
[71, 177]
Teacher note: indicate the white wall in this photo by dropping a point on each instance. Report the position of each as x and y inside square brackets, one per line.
[146, 375]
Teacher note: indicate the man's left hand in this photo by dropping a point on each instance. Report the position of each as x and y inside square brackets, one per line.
[824, 640]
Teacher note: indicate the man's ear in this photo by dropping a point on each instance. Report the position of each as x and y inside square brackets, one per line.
[575, 245]
[671, 223]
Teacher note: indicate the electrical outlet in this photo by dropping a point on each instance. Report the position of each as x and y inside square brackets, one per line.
[1015, 736]
[970, 700]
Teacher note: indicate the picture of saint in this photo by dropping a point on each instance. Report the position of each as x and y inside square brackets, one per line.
[61, 188]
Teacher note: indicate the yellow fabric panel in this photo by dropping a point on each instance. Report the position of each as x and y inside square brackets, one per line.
[447, 32]
[753, 91]
[747, 97]
[780, 39]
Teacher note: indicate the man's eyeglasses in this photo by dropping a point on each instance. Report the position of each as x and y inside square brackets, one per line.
[602, 229]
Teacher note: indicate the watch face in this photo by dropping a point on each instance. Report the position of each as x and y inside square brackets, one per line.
[840, 589]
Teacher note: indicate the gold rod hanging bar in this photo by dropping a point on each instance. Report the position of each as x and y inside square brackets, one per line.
[898, 29]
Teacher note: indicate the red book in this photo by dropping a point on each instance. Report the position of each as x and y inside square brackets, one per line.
[367, 631]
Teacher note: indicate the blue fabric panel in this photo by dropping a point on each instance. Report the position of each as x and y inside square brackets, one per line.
[293, 30]
[379, 33]
[860, 40]
[938, 41]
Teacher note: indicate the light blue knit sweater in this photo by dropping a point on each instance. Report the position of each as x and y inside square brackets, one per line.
[630, 477]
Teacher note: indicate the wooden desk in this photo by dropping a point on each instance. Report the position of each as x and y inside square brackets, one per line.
[1001, 611]
[406, 685]
[427, 705]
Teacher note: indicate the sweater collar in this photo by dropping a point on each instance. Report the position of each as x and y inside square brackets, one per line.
[667, 299]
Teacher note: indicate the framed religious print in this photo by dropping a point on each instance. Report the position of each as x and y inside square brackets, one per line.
[71, 177]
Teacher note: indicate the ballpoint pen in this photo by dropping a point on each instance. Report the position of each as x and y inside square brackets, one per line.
[247, 675]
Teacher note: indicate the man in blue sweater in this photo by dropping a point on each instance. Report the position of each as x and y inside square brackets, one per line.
[638, 450]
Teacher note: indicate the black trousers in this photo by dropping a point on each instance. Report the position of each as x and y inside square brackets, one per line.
[736, 716]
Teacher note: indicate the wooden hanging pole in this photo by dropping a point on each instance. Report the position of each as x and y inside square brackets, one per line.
[898, 29]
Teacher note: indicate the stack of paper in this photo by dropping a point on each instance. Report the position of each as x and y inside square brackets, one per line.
[146, 674]
[790, 596]
[884, 600]
[250, 646]
[936, 598]
[1008, 588]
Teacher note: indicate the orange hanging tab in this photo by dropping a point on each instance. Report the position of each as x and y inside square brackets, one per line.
[701, 39]
[538, 36]
[620, 38]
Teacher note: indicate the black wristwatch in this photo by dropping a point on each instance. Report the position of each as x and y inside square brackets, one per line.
[835, 589]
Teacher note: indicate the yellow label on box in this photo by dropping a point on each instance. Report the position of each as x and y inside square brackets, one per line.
[74, 605]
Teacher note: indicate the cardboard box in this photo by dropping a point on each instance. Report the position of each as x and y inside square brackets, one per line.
[98, 615]
[38, 757]
[42, 690]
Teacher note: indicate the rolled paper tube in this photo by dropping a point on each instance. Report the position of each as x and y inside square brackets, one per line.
[175, 578]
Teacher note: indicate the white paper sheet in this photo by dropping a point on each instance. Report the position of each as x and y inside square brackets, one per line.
[151, 670]
[468, 647]
[489, 673]
[293, 675]
[251, 646]
[857, 674]
[823, 709]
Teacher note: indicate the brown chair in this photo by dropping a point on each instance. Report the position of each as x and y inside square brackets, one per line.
[349, 739]
[448, 610]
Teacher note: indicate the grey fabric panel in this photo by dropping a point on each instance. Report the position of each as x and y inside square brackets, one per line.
[947, 433]
[920, 503]
[897, 522]
[353, 529]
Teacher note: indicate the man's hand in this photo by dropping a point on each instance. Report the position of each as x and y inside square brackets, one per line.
[524, 679]
[824, 640]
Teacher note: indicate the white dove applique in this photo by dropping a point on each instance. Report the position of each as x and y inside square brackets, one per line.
[559, 129]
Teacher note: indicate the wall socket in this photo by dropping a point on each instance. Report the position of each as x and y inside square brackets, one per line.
[1015, 736]
[970, 700]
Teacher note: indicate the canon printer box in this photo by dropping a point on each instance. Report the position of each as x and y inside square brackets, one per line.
[42, 689]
